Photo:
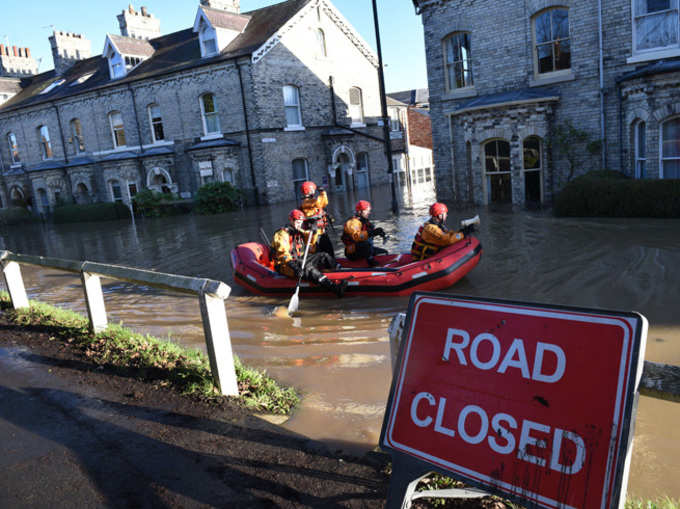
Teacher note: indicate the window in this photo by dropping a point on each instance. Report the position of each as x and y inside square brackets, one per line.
[458, 63]
[362, 170]
[132, 188]
[228, 175]
[208, 39]
[497, 170]
[670, 149]
[291, 100]
[300, 174]
[131, 62]
[395, 123]
[77, 136]
[321, 43]
[552, 50]
[13, 148]
[116, 194]
[205, 170]
[156, 122]
[44, 142]
[52, 86]
[655, 24]
[532, 169]
[117, 129]
[639, 148]
[211, 120]
[356, 106]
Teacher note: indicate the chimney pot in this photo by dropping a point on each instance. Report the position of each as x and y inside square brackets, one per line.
[15, 51]
[28, 52]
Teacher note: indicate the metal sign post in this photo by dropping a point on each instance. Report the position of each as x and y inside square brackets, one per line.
[530, 402]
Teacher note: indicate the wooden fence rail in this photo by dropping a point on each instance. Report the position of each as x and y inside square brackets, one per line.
[211, 296]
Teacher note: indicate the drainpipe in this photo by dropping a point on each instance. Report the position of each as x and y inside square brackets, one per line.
[620, 100]
[245, 120]
[603, 135]
[63, 144]
[140, 166]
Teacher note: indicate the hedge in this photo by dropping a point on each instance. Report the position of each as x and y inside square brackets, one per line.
[217, 197]
[91, 212]
[608, 194]
[16, 215]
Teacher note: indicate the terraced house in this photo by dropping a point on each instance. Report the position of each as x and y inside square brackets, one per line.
[262, 99]
[505, 77]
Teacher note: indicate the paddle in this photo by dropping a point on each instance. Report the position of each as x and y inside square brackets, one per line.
[295, 299]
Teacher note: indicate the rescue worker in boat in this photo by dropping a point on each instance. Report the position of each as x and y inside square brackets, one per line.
[358, 234]
[314, 208]
[288, 249]
[433, 236]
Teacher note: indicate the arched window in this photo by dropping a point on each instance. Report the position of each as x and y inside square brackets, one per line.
[82, 194]
[640, 148]
[116, 193]
[155, 123]
[321, 43]
[552, 45]
[13, 148]
[532, 163]
[209, 113]
[497, 171]
[43, 200]
[117, 129]
[670, 149]
[16, 197]
[300, 174]
[44, 142]
[356, 106]
[458, 61]
[228, 175]
[77, 136]
[291, 101]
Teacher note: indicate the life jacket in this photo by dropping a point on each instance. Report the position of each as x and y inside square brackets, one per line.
[296, 247]
[313, 207]
[348, 240]
[420, 249]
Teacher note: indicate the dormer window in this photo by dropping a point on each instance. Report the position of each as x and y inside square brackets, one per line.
[125, 53]
[216, 29]
[208, 39]
[52, 86]
[132, 62]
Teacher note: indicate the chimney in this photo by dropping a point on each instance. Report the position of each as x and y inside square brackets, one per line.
[233, 6]
[16, 63]
[140, 25]
[28, 52]
[67, 49]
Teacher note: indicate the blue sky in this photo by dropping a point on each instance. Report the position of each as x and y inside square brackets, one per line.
[28, 23]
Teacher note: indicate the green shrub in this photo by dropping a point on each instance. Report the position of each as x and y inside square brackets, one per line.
[217, 197]
[611, 194]
[150, 203]
[91, 212]
[16, 215]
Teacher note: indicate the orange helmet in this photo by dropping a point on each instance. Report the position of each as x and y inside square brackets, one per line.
[437, 209]
[296, 215]
[308, 188]
[362, 205]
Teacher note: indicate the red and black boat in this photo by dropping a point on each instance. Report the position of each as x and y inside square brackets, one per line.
[397, 274]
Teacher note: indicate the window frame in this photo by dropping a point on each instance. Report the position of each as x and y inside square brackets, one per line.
[213, 114]
[77, 138]
[321, 46]
[487, 176]
[551, 42]
[207, 33]
[44, 142]
[538, 169]
[352, 107]
[117, 183]
[289, 107]
[634, 19]
[115, 130]
[662, 159]
[298, 181]
[445, 49]
[153, 123]
[14, 153]
[639, 161]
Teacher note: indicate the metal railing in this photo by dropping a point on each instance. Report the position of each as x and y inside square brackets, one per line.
[211, 296]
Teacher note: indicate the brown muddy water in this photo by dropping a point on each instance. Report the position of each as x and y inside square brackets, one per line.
[337, 350]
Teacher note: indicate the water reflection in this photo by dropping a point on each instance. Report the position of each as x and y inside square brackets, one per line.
[336, 351]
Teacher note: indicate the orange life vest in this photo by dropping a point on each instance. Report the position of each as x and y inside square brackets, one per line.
[421, 249]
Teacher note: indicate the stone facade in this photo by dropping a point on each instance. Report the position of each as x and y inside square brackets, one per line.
[254, 147]
[492, 127]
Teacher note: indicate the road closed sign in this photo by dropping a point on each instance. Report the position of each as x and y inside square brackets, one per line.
[530, 402]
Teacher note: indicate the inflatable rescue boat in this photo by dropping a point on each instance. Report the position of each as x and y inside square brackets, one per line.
[397, 274]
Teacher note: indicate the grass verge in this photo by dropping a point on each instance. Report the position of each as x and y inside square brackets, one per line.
[151, 359]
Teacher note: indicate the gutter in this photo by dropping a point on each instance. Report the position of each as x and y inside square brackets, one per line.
[603, 132]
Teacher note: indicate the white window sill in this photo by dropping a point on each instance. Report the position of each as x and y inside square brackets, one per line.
[396, 135]
[122, 148]
[355, 125]
[461, 93]
[294, 128]
[16, 165]
[160, 143]
[212, 136]
[653, 55]
[552, 77]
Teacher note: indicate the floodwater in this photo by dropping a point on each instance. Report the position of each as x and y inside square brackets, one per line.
[337, 351]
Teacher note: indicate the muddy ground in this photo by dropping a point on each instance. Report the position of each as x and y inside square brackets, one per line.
[76, 435]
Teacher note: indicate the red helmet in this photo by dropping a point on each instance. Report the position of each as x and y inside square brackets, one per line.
[362, 205]
[296, 214]
[308, 188]
[438, 209]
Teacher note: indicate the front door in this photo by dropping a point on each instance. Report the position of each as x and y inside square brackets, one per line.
[342, 180]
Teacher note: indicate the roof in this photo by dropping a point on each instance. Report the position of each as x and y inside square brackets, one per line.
[172, 53]
[9, 85]
[394, 102]
[412, 97]
[658, 67]
[131, 46]
[525, 95]
[219, 142]
[223, 19]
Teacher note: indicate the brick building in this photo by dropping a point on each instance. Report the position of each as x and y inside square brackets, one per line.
[505, 77]
[261, 99]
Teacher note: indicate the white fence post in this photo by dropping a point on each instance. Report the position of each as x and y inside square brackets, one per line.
[94, 297]
[395, 330]
[15, 284]
[217, 339]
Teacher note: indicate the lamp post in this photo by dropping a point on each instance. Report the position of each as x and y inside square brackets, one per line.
[383, 104]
